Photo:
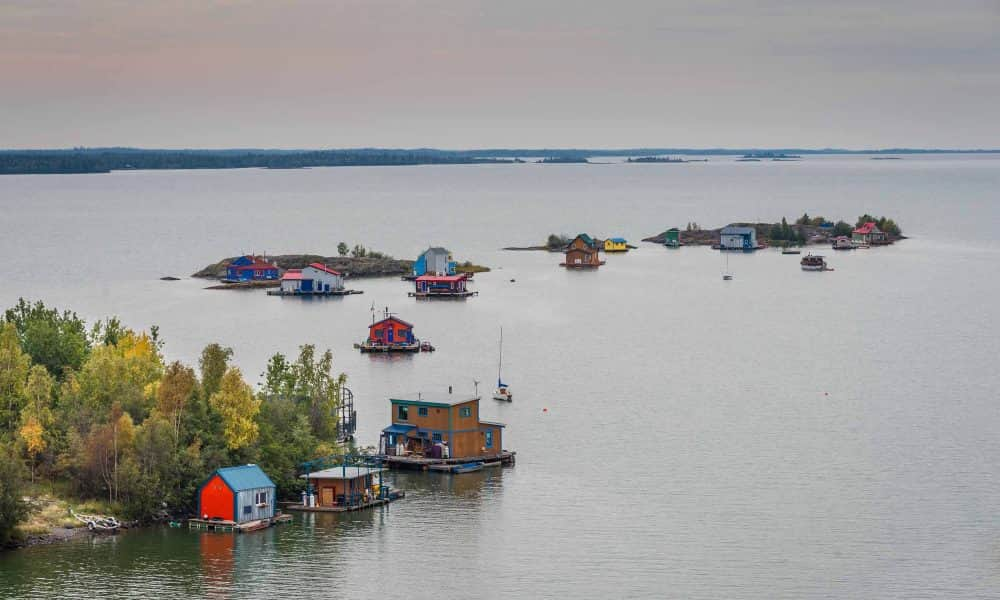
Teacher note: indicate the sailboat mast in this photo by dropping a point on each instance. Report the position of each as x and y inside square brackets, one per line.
[500, 361]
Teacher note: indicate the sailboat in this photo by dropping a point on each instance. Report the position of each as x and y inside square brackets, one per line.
[726, 275]
[503, 390]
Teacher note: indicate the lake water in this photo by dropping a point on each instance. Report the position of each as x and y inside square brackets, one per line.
[782, 435]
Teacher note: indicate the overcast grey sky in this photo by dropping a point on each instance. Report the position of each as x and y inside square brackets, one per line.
[499, 73]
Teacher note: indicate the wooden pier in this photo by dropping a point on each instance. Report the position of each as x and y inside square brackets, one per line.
[420, 463]
[232, 526]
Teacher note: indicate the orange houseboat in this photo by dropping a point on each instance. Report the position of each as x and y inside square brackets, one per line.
[443, 427]
[582, 253]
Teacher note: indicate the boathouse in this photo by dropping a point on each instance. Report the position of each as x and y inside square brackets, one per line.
[868, 234]
[440, 426]
[313, 279]
[344, 487]
[441, 285]
[434, 261]
[582, 252]
[738, 238]
[251, 268]
[672, 239]
[391, 331]
[237, 494]
[615, 244]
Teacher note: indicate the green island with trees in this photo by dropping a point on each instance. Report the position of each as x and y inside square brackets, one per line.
[804, 230]
[95, 417]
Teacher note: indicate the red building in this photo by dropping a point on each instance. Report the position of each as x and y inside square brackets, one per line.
[391, 331]
[237, 494]
[441, 285]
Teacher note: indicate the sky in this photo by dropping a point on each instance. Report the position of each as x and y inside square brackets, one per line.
[499, 73]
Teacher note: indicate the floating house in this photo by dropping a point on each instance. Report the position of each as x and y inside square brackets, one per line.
[314, 279]
[392, 334]
[430, 429]
[842, 242]
[442, 286]
[251, 268]
[236, 495]
[346, 487]
[582, 253]
[738, 238]
[672, 238]
[434, 261]
[868, 234]
[615, 244]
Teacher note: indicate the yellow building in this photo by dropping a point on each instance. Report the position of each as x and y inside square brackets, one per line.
[615, 245]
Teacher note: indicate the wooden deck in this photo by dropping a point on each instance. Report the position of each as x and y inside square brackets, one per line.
[324, 293]
[339, 509]
[232, 526]
[420, 463]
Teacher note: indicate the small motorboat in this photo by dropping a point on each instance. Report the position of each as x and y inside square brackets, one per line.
[426, 347]
[813, 262]
[467, 468]
[791, 251]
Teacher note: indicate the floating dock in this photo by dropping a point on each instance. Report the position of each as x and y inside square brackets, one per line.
[462, 294]
[232, 526]
[347, 508]
[315, 293]
[421, 463]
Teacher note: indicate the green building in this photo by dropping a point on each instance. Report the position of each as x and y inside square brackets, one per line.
[673, 238]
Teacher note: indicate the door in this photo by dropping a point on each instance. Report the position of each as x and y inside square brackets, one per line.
[327, 497]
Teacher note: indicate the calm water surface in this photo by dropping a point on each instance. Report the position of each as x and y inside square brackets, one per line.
[782, 435]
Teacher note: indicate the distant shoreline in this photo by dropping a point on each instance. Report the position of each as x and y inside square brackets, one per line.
[105, 160]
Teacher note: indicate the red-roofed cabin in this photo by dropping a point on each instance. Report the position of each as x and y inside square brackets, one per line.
[391, 331]
[442, 285]
[251, 268]
[868, 233]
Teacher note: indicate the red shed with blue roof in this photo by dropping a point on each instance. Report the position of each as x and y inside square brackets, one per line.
[237, 494]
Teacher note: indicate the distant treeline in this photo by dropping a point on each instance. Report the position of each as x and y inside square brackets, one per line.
[103, 160]
[119, 159]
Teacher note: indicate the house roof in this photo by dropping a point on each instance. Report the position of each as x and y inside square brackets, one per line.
[255, 266]
[492, 423]
[586, 239]
[442, 278]
[438, 398]
[291, 275]
[618, 240]
[396, 319]
[868, 227]
[342, 473]
[246, 477]
[733, 230]
[324, 268]
[437, 250]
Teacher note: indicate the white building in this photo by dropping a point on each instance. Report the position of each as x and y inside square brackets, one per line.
[738, 238]
[313, 279]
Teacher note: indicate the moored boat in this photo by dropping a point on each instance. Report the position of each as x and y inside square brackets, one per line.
[842, 242]
[813, 262]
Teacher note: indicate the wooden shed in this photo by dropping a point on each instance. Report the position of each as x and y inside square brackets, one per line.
[237, 494]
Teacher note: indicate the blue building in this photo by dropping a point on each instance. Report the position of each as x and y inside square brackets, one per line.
[251, 268]
[434, 261]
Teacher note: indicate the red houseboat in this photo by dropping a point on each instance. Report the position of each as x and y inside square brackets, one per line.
[442, 286]
[392, 334]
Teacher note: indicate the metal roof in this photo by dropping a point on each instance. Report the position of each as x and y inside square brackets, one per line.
[246, 477]
[618, 240]
[443, 278]
[435, 398]
[493, 423]
[731, 230]
[436, 250]
[324, 268]
[399, 428]
[342, 473]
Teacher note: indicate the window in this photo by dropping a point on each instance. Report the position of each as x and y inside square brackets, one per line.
[437, 437]
[422, 411]
[248, 510]
[465, 411]
[489, 438]
[403, 412]
[260, 499]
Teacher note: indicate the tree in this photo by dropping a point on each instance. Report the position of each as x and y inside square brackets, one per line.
[236, 405]
[14, 365]
[174, 393]
[213, 363]
[359, 251]
[842, 228]
[318, 390]
[12, 506]
[804, 220]
[36, 416]
[342, 249]
[126, 373]
[107, 449]
[54, 340]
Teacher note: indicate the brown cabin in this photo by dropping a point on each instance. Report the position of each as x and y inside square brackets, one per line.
[424, 424]
[583, 252]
